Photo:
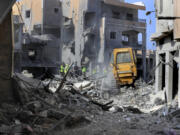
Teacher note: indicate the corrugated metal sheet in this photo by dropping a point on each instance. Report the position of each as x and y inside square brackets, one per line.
[123, 4]
[5, 6]
[177, 20]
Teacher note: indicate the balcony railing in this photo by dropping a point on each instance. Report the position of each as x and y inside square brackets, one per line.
[131, 20]
[142, 20]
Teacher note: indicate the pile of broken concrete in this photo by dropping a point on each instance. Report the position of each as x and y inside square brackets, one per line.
[62, 104]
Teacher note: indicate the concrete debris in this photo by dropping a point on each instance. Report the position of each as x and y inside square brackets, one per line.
[85, 85]
[115, 109]
[158, 97]
[51, 85]
[80, 109]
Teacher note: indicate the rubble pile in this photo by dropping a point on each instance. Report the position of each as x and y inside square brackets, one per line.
[41, 110]
[139, 97]
[65, 106]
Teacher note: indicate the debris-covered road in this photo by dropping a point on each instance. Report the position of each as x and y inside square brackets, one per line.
[80, 110]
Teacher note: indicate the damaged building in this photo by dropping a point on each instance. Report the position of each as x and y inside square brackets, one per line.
[91, 30]
[37, 35]
[167, 38]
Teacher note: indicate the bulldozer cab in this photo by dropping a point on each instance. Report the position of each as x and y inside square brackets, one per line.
[123, 61]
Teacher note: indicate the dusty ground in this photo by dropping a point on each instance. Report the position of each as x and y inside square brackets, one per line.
[69, 113]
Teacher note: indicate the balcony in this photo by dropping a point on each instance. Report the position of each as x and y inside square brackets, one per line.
[140, 23]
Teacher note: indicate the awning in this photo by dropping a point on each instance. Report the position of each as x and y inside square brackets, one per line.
[123, 4]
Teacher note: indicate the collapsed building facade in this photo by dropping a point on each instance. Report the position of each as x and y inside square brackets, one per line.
[91, 30]
[37, 34]
[167, 38]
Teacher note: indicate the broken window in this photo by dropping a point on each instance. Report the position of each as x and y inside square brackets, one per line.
[113, 35]
[175, 68]
[125, 38]
[89, 19]
[115, 15]
[161, 41]
[28, 13]
[56, 10]
[175, 78]
[129, 17]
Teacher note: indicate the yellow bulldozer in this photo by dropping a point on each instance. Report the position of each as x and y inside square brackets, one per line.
[123, 63]
[122, 71]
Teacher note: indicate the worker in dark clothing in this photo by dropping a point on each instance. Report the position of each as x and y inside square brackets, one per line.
[76, 70]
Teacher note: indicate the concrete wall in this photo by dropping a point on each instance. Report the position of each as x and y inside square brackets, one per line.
[6, 58]
[164, 9]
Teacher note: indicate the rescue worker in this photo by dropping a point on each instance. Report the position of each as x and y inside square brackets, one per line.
[66, 68]
[62, 69]
[84, 71]
[94, 71]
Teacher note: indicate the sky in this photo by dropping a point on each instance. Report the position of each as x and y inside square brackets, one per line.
[142, 15]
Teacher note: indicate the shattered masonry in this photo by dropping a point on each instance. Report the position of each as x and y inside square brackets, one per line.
[167, 37]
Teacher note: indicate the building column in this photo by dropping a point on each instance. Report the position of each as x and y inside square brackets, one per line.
[179, 81]
[148, 68]
[169, 77]
[79, 39]
[101, 56]
[144, 55]
[120, 39]
[158, 74]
